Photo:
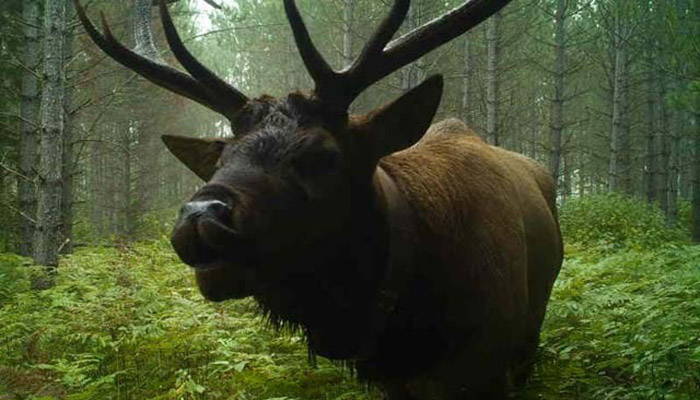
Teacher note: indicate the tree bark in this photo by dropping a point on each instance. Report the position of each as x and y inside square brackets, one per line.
[650, 171]
[492, 79]
[413, 74]
[696, 181]
[674, 169]
[556, 124]
[618, 169]
[95, 181]
[69, 163]
[48, 235]
[566, 179]
[29, 111]
[143, 34]
[467, 81]
[662, 138]
[128, 216]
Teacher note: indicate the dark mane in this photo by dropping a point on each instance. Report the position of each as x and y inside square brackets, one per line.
[297, 109]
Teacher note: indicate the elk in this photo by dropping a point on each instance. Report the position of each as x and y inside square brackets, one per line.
[419, 254]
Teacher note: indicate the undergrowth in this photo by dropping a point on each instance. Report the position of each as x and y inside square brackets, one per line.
[128, 323]
[626, 326]
[611, 221]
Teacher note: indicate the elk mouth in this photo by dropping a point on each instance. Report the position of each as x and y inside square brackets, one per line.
[221, 258]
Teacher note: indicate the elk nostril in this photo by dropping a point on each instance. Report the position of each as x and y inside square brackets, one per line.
[216, 208]
[189, 210]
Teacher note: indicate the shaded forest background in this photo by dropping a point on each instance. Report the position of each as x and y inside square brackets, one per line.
[604, 92]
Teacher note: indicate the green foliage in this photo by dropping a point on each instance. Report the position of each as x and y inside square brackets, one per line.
[156, 224]
[9, 222]
[625, 327]
[128, 323]
[613, 221]
[13, 276]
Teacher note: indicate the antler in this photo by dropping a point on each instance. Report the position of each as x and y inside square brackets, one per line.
[202, 85]
[380, 57]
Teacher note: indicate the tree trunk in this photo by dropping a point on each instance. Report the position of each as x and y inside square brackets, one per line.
[69, 163]
[29, 111]
[96, 181]
[662, 138]
[650, 172]
[468, 104]
[492, 79]
[696, 181]
[48, 235]
[556, 124]
[618, 168]
[674, 169]
[128, 216]
[413, 74]
[566, 179]
[143, 35]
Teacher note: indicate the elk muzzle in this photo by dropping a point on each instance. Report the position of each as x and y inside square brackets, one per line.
[205, 239]
[203, 233]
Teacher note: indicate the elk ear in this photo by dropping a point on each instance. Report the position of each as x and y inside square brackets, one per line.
[199, 155]
[400, 124]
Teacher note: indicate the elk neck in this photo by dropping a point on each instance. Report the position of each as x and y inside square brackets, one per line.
[350, 296]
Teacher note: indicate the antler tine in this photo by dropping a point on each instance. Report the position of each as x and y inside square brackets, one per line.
[380, 57]
[229, 96]
[317, 66]
[415, 44]
[372, 53]
[160, 74]
[386, 30]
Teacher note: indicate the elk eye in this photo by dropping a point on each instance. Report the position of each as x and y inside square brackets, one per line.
[316, 163]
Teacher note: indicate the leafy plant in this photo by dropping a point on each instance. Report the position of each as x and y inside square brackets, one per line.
[613, 221]
[624, 327]
[126, 322]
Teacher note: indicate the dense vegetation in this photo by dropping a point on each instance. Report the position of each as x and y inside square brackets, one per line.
[126, 322]
[603, 92]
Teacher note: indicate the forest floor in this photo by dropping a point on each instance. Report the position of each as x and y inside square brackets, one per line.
[128, 323]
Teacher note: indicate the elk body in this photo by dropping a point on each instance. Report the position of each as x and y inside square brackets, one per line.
[421, 255]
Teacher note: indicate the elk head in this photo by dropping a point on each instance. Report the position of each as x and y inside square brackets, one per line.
[299, 172]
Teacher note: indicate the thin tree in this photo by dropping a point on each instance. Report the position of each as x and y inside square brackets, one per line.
[48, 234]
[619, 136]
[468, 89]
[556, 118]
[492, 77]
[69, 162]
[29, 112]
[696, 178]
[413, 73]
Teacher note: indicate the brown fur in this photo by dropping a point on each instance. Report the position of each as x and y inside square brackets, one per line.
[423, 259]
[489, 240]
[421, 255]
